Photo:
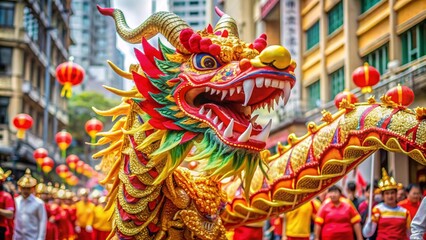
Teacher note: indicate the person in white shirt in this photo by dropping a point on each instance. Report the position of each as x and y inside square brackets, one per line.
[30, 217]
[418, 225]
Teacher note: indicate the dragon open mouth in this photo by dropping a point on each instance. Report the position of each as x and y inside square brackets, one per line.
[228, 108]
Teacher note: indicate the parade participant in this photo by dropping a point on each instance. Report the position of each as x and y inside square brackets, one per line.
[297, 223]
[51, 210]
[65, 224]
[414, 197]
[102, 224]
[7, 206]
[390, 220]
[418, 225]
[84, 211]
[30, 218]
[71, 211]
[351, 194]
[94, 197]
[337, 218]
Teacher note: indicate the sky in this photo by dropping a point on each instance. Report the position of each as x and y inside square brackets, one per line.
[135, 11]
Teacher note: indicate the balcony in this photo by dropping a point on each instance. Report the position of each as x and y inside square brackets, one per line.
[411, 75]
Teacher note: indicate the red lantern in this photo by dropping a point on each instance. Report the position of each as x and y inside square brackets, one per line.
[79, 167]
[402, 95]
[63, 139]
[93, 126]
[72, 161]
[62, 171]
[39, 154]
[365, 77]
[350, 98]
[69, 74]
[22, 122]
[47, 165]
[87, 170]
[72, 181]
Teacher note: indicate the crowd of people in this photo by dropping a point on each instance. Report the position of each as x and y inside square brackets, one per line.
[39, 211]
[397, 212]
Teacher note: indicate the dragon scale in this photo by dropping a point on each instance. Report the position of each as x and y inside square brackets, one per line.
[196, 104]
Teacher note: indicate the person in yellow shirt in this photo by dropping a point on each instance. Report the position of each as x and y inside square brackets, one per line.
[102, 222]
[85, 213]
[297, 223]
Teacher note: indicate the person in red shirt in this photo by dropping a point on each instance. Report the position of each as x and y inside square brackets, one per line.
[390, 220]
[7, 206]
[337, 218]
[414, 197]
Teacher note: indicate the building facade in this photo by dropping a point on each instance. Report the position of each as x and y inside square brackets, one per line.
[27, 76]
[192, 11]
[95, 42]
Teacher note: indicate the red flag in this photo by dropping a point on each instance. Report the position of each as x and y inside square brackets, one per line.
[360, 183]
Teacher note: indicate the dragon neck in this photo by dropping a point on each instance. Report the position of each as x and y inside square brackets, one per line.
[312, 163]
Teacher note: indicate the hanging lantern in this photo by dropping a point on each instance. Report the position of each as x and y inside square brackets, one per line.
[72, 161]
[346, 94]
[47, 165]
[93, 126]
[402, 95]
[366, 77]
[72, 181]
[69, 74]
[62, 171]
[79, 167]
[22, 122]
[87, 170]
[63, 139]
[39, 154]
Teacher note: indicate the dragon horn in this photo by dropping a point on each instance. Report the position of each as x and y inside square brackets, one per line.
[168, 24]
[227, 23]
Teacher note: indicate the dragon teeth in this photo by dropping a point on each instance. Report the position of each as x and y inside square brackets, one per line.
[215, 120]
[287, 91]
[224, 93]
[212, 91]
[248, 90]
[202, 110]
[231, 91]
[246, 134]
[268, 82]
[262, 136]
[259, 82]
[209, 114]
[239, 88]
[229, 131]
[220, 126]
[207, 89]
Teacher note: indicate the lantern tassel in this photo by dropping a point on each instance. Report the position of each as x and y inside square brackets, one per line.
[21, 133]
[367, 89]
[64, 153]
[66, 90]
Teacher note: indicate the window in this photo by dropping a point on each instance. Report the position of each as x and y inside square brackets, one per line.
[312, 36]
[413, 40]
[7, 12]
[367, 4]
[314, 97]
[4, 104]
[379, 59]
[86, 7]
[178, 4]
[31, 25]
[193, 3]
[5, 60]
[335, 18]
[337, 82]
[193, 13]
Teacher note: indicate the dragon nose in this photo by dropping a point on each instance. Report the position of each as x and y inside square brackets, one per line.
[275, 56]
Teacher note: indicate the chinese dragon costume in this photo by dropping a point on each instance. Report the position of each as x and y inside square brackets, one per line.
[195, 103]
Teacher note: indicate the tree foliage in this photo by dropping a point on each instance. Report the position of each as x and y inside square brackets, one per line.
[80, 111]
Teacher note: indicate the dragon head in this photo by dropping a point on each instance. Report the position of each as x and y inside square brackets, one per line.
[207, 89]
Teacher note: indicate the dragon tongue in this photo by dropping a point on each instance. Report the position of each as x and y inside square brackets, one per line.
[248, 86]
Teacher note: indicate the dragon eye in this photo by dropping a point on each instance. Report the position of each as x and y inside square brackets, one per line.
[203, 61]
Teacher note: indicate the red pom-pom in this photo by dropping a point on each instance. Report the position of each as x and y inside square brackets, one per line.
[204, 44]
[185, 34]
[214, 49]
[194, 42]
[263, 36]
[260, 44]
